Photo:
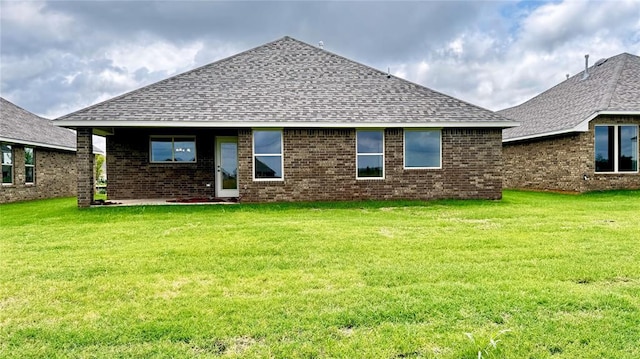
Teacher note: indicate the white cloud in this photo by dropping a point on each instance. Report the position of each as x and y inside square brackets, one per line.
[154, 56]
[33, 20]
[498, 72]
[61, 56]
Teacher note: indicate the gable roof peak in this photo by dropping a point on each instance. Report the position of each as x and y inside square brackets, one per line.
[286, 82]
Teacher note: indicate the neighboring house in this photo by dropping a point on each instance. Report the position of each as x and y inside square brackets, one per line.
[38, 158]
[288, 121]
[581, 135]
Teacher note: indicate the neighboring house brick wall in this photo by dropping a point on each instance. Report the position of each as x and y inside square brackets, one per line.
[559, 163]
[319, 165]
[53, 176]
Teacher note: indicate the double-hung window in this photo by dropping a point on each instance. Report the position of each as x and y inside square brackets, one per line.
[267, 155]
[172, 149]
[7, 164]
[422, 149]
[370, 154]
[616, 148]
[29, 165]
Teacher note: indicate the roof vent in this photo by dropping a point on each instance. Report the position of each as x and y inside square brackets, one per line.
[586, 67]
[567, 76]
[321, 44]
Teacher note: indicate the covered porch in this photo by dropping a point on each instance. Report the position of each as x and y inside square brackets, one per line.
[154, 166]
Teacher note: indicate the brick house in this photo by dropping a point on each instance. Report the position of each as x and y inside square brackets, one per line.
[581, 135]
[288, 121]
[38, 158]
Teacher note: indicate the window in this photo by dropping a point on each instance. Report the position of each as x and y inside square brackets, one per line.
[173, 149]
[370, 154]
[422, 149]
[267, 155]
[7, 164]
[616, 148]
[29, 165]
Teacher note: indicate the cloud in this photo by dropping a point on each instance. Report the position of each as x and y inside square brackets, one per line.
[548, 42]
[60, 56]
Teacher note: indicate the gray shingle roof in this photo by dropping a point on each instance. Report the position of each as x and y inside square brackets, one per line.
[284, 82]
[18, 125]
[613, 86]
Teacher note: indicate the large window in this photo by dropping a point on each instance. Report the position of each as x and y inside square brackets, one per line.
[616, 148]
[7, 164]
[29, 165]
[370, 154]
[267, 155]
[173, 149]
[422, 149]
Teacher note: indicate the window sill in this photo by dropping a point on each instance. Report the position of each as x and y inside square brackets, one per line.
[616, 173]
[268, 180]
[173, 164]
[421, 168]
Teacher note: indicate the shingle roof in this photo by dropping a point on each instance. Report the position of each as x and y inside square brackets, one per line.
[613, 86]
[18, 125]
[283, 83]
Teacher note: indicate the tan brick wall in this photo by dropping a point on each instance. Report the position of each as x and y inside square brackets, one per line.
[55, 176]
[560, 163]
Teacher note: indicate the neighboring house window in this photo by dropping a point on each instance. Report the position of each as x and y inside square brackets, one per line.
[173, 149]
[370, 154]
[616, 148]
[29, 165]
[267, 155]
[7, 164]
[422, 149]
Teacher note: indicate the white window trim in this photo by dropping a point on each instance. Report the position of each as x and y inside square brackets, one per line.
[173, 140]
[371, 154]
[33, 150]
[8, 164]
[404, 152]
[254, 155]
[616, 150]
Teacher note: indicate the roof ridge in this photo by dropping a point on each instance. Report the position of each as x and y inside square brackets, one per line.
[605, 101]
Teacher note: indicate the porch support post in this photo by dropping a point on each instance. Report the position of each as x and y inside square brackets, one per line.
[84, 155]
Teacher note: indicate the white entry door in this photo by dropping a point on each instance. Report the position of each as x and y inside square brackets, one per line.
[227, 167]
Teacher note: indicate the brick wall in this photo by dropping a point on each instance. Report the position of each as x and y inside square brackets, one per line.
[84, 163]
[54, 176]
[559, 163]
[132, 176]
[321, 165]
[318, 165]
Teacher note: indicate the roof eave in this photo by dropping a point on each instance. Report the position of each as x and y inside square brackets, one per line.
[581, 127]
[276, 124]
[37, 144]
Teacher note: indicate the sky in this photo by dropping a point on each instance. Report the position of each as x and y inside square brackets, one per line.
[57, 57]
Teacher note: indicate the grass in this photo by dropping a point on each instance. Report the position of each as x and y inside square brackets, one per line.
[536, 275]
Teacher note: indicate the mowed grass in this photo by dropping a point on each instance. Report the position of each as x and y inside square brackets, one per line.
[536, 275]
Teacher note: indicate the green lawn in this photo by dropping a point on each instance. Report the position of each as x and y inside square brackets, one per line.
[540, 275]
